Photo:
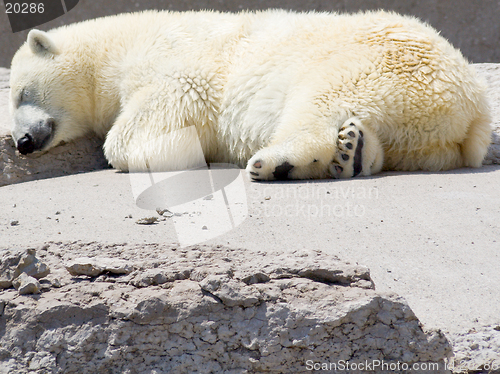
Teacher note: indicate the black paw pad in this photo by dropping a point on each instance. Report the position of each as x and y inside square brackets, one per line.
[345, 157]
[358, 159]
[281, 172]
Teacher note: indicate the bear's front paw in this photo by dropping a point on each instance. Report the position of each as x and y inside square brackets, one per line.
[348, 160]
[259, 169]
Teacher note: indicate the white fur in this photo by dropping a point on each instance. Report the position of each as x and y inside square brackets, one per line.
[274, 85]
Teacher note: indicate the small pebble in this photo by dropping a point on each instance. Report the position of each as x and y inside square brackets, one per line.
[14, 222]
[147, 221]
[204, 228]
[164, 212]
[267, 198]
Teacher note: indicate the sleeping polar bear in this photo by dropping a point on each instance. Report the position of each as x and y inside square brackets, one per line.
[288, 95]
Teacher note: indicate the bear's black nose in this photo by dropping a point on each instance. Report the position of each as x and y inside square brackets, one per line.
[25, 145]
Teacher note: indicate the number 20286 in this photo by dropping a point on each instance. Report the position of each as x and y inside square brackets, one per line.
[24, 8]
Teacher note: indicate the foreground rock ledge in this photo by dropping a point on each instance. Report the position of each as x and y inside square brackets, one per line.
[205, 310]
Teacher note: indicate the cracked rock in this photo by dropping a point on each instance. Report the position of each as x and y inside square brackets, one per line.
[231, 292]
[25, 284]
[13, 264]
[181, 309]
[97, 266]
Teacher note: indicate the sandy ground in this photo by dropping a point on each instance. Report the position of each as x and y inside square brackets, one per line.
[432, 238]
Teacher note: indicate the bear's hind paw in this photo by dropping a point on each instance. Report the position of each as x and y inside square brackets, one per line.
[348, 161]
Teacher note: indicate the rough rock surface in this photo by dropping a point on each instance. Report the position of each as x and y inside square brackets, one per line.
[476, 350]
[97, 266]
[491, 73]
[26, 284]
[206, 310]
[86, 154]
[15, 263]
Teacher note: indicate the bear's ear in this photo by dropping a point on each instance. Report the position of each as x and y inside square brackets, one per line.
[40, 42]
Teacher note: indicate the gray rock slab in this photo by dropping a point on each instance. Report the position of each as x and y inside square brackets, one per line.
[223, 316]
[491, 73]
[97, 266]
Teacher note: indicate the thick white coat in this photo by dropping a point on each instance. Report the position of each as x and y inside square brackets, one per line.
[276, 86]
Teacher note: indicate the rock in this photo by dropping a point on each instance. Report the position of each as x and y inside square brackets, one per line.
[164, 212]
[97, 266]
[25, 284]
[491, 73]
[209, 307]
[12, 264]
[147, 220]
[476, 350]
[230, 292]
[158, 276]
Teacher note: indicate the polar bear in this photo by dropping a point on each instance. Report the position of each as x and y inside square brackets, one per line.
[288, 95]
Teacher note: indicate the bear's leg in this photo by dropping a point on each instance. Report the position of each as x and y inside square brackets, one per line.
[451, 155]
[144, 138]
[351, 150]
[475, 146]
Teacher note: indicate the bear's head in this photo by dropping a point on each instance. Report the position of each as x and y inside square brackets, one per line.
[51, 95]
